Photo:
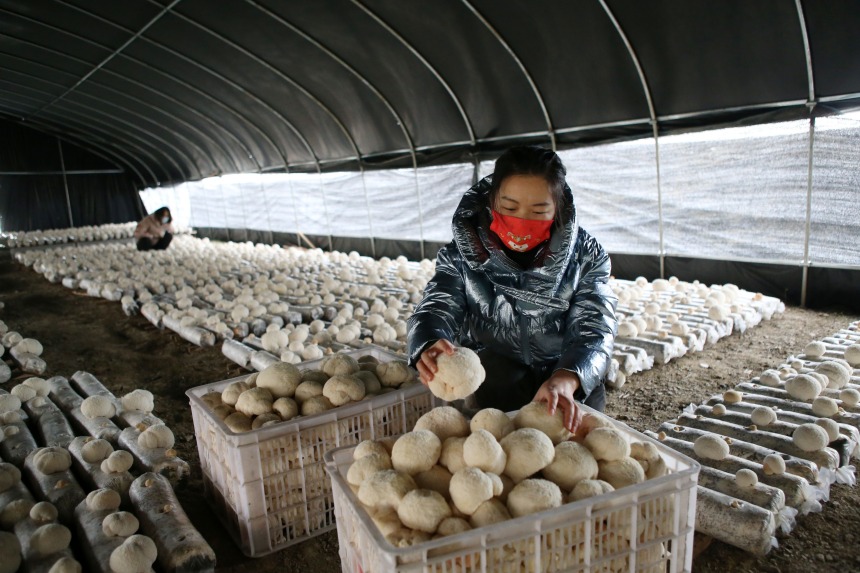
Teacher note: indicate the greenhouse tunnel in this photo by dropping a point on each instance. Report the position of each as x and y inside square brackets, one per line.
[716, 141]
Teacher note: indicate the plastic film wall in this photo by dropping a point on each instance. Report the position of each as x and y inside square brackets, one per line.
[737, 194]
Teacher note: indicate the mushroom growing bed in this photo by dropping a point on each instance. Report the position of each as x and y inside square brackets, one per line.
[771, 448]
[87, 478]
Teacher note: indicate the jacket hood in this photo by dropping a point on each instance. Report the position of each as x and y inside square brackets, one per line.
[481, 248]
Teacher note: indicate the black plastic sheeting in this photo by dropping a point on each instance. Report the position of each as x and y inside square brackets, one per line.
[35, 196]
[182, 90]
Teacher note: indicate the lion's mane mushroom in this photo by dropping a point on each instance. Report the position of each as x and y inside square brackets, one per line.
[494, 421]
[481, 450]
[535, 415]
[343, 389]
[65, 565]
[255, 402]
[138, 401]
[286, 408]
[98, 406]
[340, 365]
[136, 555]
[308, 389]
[852, 355]
[732, 397]
[452, 526]
[103, 499]
[393, 374]
[572, 463]
[43, 512]
[385, 489]
[40, 385]
[416, 451]
[470, 487]
[773, 464]
[850, 396]
[366, 466]
[607, 444]
[711, 447]
[24, 393]
[620, 473]
[118, 462]
[810, 437]
[825, 407]
[590, 488]
[231, 393]
[803, 387]
[533, 495]
[369, 447]
[15, 511]
[490, 512]
[156, 436]
[9, 476]
[528, 450]
[51, 460]
[769, 378]
[423, 509]
[10, 549]
[452, 454]
[763, 416]
[746, 478]
[316, 405]
[445, 422]
[280, 378]
[836, 373]
[649, 458]
[436, 478]
[830, 426]
[120, 524]
[458, 375]
[50, 538]
[815, 350]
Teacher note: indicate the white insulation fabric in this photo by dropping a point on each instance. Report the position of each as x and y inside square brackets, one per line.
[735, 194]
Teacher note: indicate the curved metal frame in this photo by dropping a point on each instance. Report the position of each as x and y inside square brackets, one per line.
[654, 123]
[261, 61]
[391, 30]
[190, 126]
[185, 84]
[177, 150]
[108, 131]
[156, 164]
[104, 62]
[520, 64]
[806, 50]
[87, 145]
[810, 104]
[229, 152]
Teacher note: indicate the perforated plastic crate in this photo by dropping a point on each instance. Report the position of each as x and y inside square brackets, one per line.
[269, 485]
[645, 528]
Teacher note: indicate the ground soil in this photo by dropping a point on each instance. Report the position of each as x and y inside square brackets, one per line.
[83, 333]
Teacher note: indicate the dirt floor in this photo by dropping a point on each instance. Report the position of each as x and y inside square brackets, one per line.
[82, 333]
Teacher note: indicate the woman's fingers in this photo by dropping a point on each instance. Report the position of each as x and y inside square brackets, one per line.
[423, 373]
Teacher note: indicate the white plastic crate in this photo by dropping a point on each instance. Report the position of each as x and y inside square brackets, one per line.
[646, 528]
[269, 485]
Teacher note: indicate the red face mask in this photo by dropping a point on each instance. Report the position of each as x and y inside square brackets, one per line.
[520, 234]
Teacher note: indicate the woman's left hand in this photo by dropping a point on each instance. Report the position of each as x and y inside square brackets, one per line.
[558, 392]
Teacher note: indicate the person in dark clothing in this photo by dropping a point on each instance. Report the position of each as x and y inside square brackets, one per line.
[525, 287]
[155, 231]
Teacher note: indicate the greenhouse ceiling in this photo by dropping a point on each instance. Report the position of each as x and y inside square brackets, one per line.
[180, 90]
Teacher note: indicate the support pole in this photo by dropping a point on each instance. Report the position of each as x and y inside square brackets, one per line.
[65, 182]
[805, 278]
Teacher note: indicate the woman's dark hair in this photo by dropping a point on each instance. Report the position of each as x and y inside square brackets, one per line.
[161, 211]
[531, 160]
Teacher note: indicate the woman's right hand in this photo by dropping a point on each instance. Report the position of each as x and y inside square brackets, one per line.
[427, 364]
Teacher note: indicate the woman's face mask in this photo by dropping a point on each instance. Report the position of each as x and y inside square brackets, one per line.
[165, 220]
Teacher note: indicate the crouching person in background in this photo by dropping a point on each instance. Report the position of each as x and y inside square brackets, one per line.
[155, 231]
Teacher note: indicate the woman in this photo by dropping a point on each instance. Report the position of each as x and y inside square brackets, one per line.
[524, 286]
[154, 231]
